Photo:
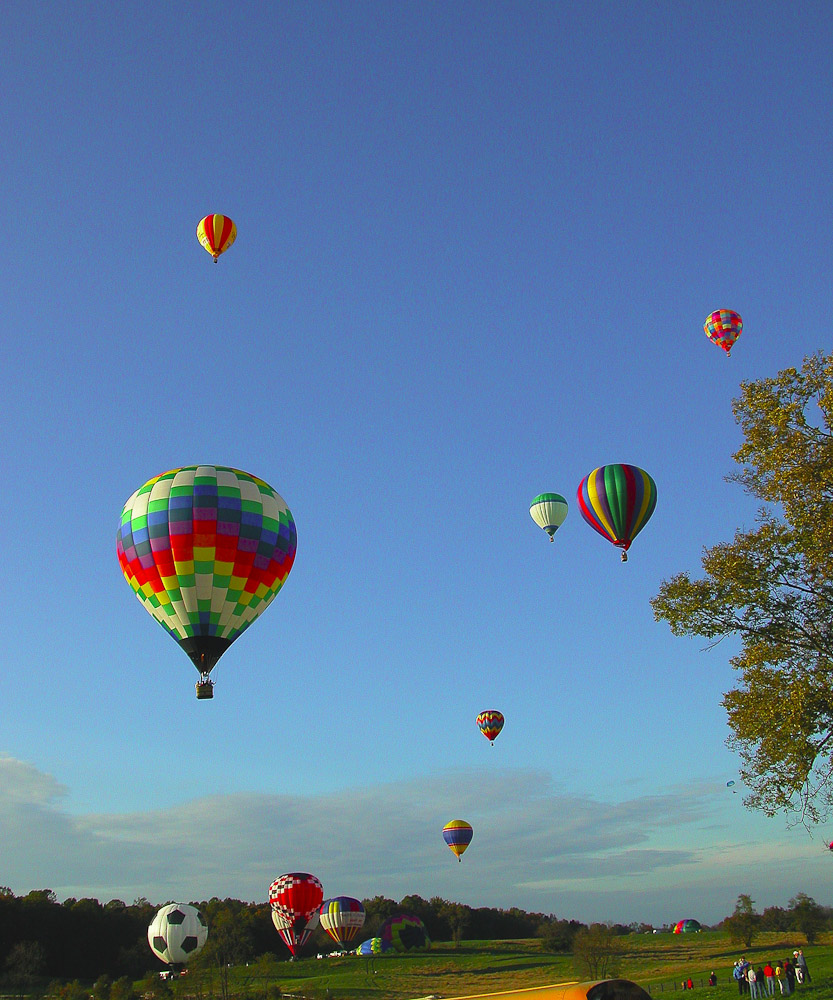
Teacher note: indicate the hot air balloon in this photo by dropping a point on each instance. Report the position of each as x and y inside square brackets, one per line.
[548, 511]
[294, 936]
[404, 933]
[216, 233]
[617, 500]
[457, 834]
[177, 933]
[723, 327]
[490, 724]
[295, 899]
[830, 846]
[374, 946]
[342, 918]
[206, 548]
[686, 927]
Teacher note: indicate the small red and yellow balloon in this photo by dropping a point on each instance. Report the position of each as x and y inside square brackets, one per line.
[216, 233]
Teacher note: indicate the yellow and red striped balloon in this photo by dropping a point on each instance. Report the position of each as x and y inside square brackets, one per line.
[216, 233]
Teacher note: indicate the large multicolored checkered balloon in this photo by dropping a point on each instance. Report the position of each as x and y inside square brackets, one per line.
[206, 548]
[723, 327]
[617, 501]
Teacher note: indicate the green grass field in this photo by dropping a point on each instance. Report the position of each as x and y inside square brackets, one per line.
[658, 962]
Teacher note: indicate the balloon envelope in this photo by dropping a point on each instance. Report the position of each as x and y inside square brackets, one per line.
[294, 933]
[723, 327]
[686, 926]
[457, 834]
[177, 933]
[216, 233]
[295, 898]
[374, 946]
[548, 511]
[405, 933]
[617, 501]
[490, 723]
[206, 548]
[342, 918]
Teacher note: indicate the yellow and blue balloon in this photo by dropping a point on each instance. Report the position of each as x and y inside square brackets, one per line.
[457, 834]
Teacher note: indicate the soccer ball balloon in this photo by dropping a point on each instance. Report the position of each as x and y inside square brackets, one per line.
[177, 933]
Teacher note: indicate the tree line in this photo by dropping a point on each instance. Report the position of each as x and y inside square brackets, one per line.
[803, 914]
[83, 939]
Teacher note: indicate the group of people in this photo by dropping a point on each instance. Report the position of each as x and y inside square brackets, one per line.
[760, 982]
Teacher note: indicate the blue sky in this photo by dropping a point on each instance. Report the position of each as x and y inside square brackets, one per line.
[476, 246]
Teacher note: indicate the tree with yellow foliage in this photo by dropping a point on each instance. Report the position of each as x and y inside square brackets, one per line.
[773, 587]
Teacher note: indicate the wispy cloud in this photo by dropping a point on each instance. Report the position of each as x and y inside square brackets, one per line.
[534, 847]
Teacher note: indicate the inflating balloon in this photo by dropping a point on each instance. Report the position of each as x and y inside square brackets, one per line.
[723, 327]
[490, 724]
[342, 918]
[686, 927]
[374, 946]
[617, 501]
[216, 233]
[206, 548]
[457, 834]
[295, 899]
[405, 933]
[548, 511]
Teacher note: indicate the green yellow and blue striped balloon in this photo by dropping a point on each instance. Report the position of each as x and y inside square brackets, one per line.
[617, 501]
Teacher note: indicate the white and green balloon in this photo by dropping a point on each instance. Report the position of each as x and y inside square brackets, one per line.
[548, 511]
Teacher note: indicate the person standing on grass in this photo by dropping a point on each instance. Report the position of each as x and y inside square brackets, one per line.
[782, 979]
[801, 963]
[769, 979]
[752, 979]
[790, 972]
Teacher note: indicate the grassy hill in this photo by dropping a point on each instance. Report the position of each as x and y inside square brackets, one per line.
[658, 962]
